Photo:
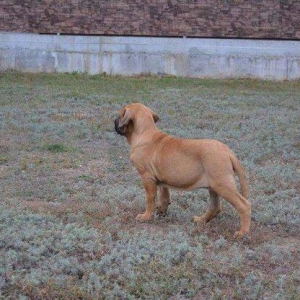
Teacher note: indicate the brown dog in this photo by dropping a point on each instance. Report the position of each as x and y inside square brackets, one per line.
[165, 162]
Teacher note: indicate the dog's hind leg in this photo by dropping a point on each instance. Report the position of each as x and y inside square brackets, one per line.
[164, 201]
[213, 209]
[230, 193]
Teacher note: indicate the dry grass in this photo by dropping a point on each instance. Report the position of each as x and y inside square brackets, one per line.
[69, 194]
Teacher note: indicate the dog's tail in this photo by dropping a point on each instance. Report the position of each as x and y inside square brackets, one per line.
[240, 171]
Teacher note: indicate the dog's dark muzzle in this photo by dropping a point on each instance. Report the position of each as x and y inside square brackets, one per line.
[119, 130]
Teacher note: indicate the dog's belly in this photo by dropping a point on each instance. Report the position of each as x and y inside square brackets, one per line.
[202, 183]
[190, 177]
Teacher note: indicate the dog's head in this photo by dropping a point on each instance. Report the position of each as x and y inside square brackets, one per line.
[133, 116]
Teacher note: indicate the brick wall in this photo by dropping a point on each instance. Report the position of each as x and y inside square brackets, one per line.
[272, 19]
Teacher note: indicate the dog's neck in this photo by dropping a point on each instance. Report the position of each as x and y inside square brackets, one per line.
[142, 135]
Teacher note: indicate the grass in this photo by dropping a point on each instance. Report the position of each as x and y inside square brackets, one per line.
[69, 194]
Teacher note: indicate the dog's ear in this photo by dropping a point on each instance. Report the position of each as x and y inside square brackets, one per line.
[155, 116]
[126, 116]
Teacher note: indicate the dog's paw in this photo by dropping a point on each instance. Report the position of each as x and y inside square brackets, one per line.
[161, 211]
[199, 220]
[240, 234]
[144, 217]
[200, 225]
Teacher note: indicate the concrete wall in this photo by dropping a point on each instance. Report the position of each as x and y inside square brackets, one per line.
[191, 57]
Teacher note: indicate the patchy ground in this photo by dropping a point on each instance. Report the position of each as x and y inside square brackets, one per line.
[69, 194]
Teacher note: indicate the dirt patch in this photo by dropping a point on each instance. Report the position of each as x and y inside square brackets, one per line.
[92, 212]
[4, 171]
[95, 169]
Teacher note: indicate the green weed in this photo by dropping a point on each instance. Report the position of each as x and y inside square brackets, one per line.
[3, 159]
[56, 148]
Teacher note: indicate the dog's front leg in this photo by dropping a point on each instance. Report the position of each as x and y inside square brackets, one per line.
[151, 189]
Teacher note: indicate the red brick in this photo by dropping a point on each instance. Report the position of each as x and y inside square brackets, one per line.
[241, 18]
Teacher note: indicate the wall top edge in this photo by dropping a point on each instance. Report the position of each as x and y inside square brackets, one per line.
[96, 38]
